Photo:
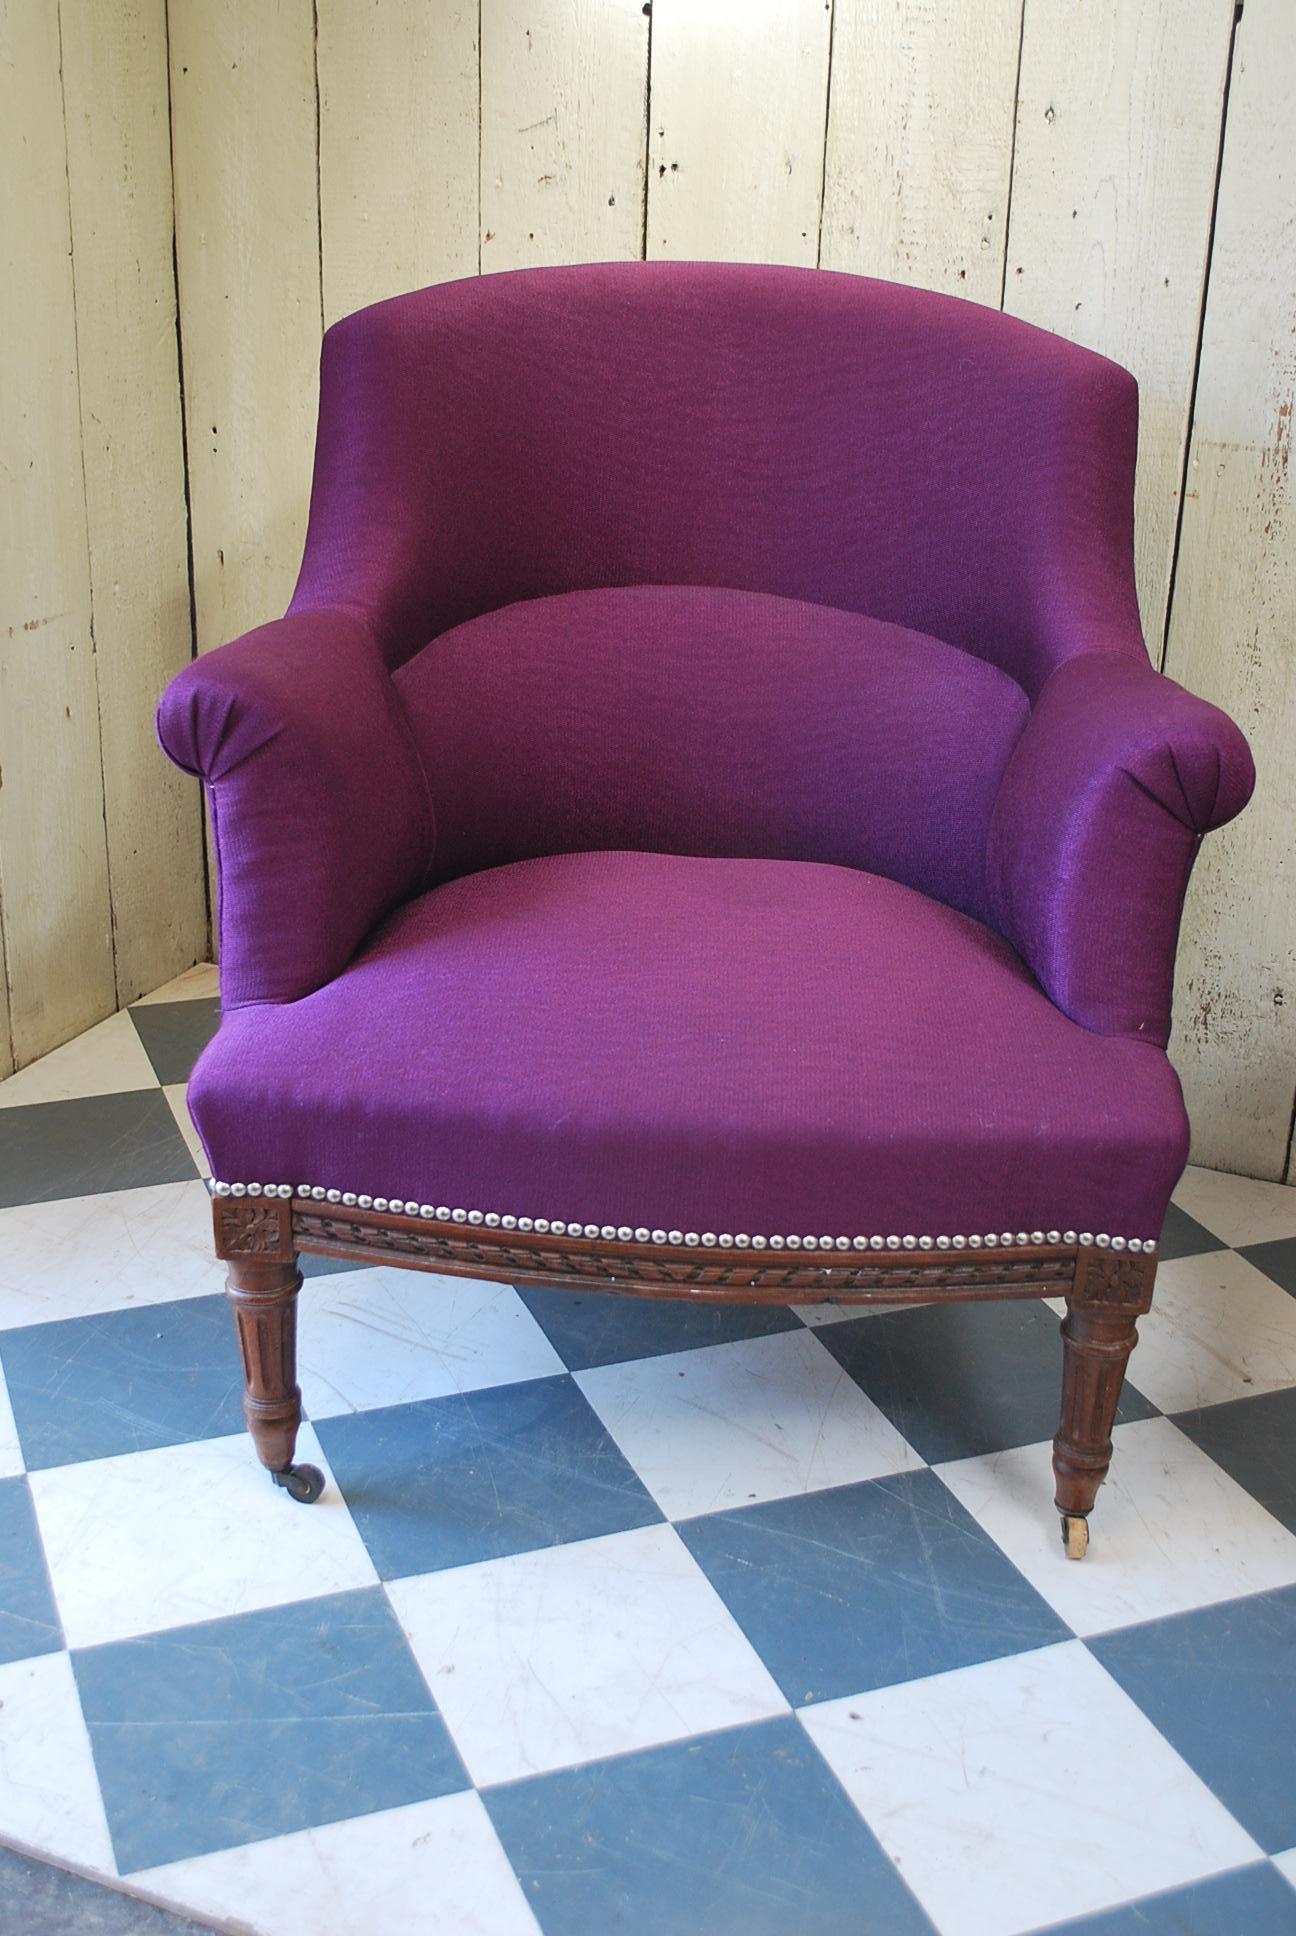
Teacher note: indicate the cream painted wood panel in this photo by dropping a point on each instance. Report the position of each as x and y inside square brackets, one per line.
[1117, 145]
[247, 237]
[736, 129]
[563, 93]
[53, 858]
[6, 1038]
[398, 88]
[1233, 626]
[119, 175]
[920, 135]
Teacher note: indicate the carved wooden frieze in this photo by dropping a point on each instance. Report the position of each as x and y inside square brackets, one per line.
[643, 1269]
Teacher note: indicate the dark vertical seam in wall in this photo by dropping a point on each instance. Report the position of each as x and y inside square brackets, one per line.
[319, 188]
[647, 167]
[184, 455]
[85, 505]
[481, 213]
[1012, 157]
[1191, 418]
[827, 122]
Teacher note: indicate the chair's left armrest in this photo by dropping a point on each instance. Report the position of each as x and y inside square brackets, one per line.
[319, 804]
[1103, 805]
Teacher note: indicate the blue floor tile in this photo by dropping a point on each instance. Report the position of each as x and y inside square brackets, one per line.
[311, 1265]
[29, 1622]
[211, 1736]
[586, 1329]
[1276, 1260]
[174, 1034]
[744, 1833]
[865, 1585]
[1254, 1439]
[963, 1379]
[481, 1474]
[89, 1144]
[124, 1381]
[1183, 1236]
[1219, 1685]
[1245, 1902]
[39, 1900]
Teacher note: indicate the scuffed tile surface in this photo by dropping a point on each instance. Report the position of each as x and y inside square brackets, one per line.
[616, 1615]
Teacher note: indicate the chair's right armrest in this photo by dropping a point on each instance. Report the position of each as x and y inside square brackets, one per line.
[1103, 805]
[319, 804]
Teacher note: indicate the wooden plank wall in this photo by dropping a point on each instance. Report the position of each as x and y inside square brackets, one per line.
[920, 143]
[1112, 169]
[1233, 623]
[1118, 122]
[132, 447]
[100, 850]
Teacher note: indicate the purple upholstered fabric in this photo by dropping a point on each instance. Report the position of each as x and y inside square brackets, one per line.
[744, 562]
[713, 1045]
[1097, 825]
[820, 436]
[319, 805]
[694, 721]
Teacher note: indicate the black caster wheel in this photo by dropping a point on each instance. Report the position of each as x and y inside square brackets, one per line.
[301, 1482]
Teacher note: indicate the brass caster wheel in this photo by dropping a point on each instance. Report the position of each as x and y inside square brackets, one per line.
[302, 1482]
[1075, 1535]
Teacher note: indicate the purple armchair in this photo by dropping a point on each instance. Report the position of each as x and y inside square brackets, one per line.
[707, 825]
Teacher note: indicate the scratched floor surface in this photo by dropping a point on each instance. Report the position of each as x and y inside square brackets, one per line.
[624, 1616]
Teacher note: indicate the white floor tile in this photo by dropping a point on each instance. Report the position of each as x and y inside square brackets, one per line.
[1170, 1530]
[528, 1678]
[11, 1459]
[49, 1792]
[104, 1253]
[731, 1423]
[817, 1314]
[1218, 1329]
[432, 1866]
[195, 984]
[106, 1058]
[388, 1337]
[1022, 1791]
[175, 1093]
[190, 1532]
[1238, 1209]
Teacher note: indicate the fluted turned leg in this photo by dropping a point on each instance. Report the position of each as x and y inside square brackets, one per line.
[262, 1284]
[1097, 1342]
[1111, 1289]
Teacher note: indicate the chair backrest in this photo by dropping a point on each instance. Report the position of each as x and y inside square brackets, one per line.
[818, 436]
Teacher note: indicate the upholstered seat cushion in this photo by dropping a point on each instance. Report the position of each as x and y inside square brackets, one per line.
[698, 1044]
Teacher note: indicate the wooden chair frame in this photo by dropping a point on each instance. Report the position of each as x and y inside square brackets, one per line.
[1106, 1290]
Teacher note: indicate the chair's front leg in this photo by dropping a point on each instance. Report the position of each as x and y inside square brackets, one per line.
[1098, 1333]
[262, 1283]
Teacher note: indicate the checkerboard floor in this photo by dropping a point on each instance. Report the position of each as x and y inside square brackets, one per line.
[625, 1615]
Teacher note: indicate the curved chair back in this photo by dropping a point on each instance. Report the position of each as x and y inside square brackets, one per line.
[820, 436]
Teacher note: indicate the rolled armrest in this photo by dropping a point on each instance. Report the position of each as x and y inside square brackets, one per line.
[319, 805]
[1102, 807]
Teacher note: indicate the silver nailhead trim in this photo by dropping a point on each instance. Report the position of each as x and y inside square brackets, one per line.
[689, 1240]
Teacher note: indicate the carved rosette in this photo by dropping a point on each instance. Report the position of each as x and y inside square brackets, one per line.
[1114, 1280]
[251, 1227]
